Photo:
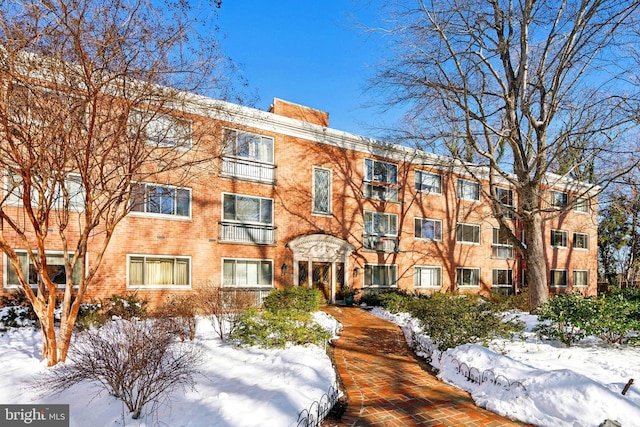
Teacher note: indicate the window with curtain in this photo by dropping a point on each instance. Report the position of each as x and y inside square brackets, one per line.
[247, 209]
[55, 269]
[248, 145]
[468, 190]
[247, 273]
[380, 223]
[427, 277]
[427, 182]
[425, 228]
[156, 270]
[380, 275]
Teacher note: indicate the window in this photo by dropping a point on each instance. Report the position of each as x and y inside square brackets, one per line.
[502, 247]
[581, 278]
[55, 269]
[467, 233]
[505, 197]
[558, 278]
[162, 129]
[380, 192]
[502, 277]
[580, 241]
[383, 172]
[582, 205]
[161, 200]
[248, 145]
[321, 191]
[73, 189]
[559, 238]
[381, 224]
[428, 277]
[159, 270]
[247, 273]
[467, 277]
[427, 182]
[380, 275]
[468, 190]
[428, 229]
[559, 199]
[247, 209]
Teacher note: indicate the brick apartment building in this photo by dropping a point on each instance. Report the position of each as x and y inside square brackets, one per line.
[294, 202]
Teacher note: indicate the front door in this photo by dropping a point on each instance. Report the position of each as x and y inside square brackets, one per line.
[321, 277]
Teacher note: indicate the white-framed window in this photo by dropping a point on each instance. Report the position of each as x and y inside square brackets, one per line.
[428, 182]
[158, 271]
[55, 269]
[321, 191]
[247, 209]
[161, 129]
[73, 190]
[467, 277]
[581, 205]
[468, 233]
[502, 247]
[559, 238]
[558, 278]
[425, 228]
[248, 145]
[581, 278]
[379, 171]
[161, 200]
[380, 275]
[580, 240]
[502, 277]
[380, 223]
[427, 277]
[468, 190]
[505, 198]
[559, 199]
[247, 273]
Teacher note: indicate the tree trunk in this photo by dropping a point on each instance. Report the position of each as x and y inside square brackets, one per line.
[534, 258]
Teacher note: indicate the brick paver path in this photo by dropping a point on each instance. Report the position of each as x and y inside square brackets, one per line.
[387, 385]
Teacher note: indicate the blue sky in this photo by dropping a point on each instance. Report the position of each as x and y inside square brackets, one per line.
[307, 52]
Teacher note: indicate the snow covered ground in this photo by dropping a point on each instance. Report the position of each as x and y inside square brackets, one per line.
[578, 386]
[238, 387]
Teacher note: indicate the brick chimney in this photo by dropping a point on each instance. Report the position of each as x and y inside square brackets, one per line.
[299, 112]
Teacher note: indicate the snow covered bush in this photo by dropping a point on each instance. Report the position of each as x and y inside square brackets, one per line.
[139, 362]
[566, 317]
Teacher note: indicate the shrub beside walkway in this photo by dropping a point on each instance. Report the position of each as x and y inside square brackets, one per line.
[387, 385]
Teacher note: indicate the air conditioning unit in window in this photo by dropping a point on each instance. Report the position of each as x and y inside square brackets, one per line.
[382, 243]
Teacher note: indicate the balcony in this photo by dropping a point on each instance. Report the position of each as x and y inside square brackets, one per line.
[387, 244]
[249, 169]
[231, 232]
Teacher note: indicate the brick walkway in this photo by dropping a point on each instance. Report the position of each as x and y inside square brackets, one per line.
[387, 385]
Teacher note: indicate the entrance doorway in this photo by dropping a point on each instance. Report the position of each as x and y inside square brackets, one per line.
[321, 261]
[321, 278]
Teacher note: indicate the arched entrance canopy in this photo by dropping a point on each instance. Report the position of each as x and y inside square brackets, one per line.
[322, 261]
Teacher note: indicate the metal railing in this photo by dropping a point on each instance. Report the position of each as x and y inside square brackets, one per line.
[320, 409]
[249, 169]
[470, 373]
[247, 233]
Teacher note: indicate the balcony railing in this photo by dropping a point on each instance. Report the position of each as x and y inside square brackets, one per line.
[247, 233]
[249, 169]
[381, 243]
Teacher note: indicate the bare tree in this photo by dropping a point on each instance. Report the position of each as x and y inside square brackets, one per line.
[93, 99]
[533, 92]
